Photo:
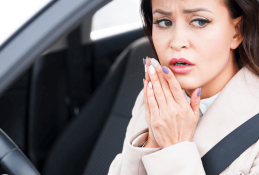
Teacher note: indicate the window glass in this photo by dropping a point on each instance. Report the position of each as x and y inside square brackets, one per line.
[15, 13]
[116, 17]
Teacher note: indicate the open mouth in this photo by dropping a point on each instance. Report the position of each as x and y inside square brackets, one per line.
[180, 64]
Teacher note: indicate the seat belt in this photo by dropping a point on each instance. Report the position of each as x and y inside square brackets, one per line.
[79, 78]
[218, 158]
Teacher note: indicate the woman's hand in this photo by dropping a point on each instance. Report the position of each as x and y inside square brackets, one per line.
[151, 142]
[172, 119]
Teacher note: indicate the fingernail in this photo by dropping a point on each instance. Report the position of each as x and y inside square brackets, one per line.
[199, 93]
[150, 85]
[165, 69]
[147, 61]
[152, 69]
[145, 68]
[144, 61]
[154, 62]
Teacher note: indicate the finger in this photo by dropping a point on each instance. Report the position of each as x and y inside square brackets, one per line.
[158, 91]
[147, 111]
[174, 86]
[148, 61]
[146, 68]
[146, 74]
[152, 103]
[195, 102]
[164, 84]
[144, 62]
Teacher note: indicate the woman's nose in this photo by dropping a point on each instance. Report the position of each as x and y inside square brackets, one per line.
[178, 38]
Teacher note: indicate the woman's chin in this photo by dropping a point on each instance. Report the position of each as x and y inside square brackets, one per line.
[189, 85]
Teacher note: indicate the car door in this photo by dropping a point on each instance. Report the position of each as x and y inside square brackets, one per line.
[20, 50]
[30, 59]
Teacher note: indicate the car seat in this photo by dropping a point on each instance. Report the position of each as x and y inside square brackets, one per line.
[103, 120]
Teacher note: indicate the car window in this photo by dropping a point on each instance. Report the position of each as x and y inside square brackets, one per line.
[116, 17]
[13, 14]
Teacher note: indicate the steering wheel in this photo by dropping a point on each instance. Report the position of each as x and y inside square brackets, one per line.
[12, 158]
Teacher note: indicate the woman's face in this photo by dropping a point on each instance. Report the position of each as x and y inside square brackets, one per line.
[205, 37]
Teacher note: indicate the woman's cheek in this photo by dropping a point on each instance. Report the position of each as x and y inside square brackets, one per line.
[161, 44]
[211, 59]
[212, 46]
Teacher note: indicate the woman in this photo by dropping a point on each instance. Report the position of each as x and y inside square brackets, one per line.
[207, 69]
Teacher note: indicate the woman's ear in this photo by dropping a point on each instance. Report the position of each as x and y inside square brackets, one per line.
[237, 37]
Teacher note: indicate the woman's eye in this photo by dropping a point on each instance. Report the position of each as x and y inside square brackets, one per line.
[200, 23]
[163, 23]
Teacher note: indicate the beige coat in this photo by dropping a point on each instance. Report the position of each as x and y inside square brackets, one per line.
[237, 102]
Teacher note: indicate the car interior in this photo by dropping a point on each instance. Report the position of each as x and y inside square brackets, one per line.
[69, 111]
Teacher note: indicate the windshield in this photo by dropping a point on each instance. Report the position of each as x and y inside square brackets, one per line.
[13, 14]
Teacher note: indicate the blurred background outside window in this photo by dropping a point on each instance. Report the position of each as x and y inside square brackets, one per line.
[117, 17]
[14, 13]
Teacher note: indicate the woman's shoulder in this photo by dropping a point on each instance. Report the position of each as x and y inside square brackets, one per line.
[139, 102]
[137, 121]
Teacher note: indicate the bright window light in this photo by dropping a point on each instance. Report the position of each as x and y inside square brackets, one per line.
[117, 17]
[103, 33]
[15, 13]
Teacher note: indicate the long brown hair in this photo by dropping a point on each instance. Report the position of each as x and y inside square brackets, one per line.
[247, 53]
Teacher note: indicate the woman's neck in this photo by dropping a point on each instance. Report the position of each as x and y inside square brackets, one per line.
[219, 82]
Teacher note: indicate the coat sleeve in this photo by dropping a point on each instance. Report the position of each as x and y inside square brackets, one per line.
[178, 159]
[129, 162]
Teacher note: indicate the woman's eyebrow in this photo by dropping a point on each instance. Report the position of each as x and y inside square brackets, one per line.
[157, 10]
[196, 10]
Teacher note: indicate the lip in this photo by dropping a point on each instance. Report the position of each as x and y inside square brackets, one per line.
[181, 69]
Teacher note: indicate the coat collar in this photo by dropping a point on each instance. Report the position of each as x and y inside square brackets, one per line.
[236, 103]
[204, 103]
